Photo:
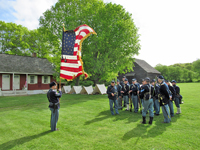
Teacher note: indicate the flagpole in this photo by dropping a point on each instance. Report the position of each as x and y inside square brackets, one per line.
[61, 58]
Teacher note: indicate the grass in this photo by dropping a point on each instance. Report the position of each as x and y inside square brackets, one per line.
[85, 123]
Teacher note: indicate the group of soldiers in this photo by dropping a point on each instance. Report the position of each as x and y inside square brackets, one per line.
[148, 96]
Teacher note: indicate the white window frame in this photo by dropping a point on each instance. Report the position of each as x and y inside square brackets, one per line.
[35, 79]
[48, 79]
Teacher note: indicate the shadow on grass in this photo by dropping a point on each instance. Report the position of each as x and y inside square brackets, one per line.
[175, 118]
[147, 131]
[20, 141]
[101, 116]
[124, 115]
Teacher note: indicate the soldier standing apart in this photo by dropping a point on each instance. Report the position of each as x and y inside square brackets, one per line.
[173, 93]
[125, 92]
[147, 95]
[119, 97]
[112, 95]
[54, 104]
[177, 89]
[134, 91]
[155, 98]
[164, 96]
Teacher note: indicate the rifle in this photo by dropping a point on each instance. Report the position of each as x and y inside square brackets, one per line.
[139, 100]
[154, 86]
[160, 99]
[130, 102]
[121, 103]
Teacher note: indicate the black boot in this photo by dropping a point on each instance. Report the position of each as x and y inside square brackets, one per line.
[151, 120]
[144, 120]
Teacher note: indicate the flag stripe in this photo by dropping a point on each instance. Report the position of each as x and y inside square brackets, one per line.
[71, 67]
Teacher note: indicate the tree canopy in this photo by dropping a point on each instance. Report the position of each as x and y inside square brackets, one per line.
[186, 72]
[104, 55]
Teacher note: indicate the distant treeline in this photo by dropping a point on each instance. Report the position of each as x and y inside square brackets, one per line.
[187, 72]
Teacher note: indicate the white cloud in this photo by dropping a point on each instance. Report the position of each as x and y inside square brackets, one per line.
[27, 12]
[169, 30]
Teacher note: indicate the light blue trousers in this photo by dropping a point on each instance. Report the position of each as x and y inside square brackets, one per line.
[119, 102]
[171, 108]
[177, 102]
[147, 105]
[166, 114]
[135, 102]
[157, 106]
[115, 105]
[126, 101]
[54, 118]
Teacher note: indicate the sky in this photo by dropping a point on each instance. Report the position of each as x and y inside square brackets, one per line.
[169, 29]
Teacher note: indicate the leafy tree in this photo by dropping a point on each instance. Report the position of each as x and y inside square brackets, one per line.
[175, 73]
[18, 40]
[163, 70]
[185, 75]
[13, 39]
[196, 66]
[104, 55]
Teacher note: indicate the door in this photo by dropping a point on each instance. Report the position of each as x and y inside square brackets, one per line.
[17, 82]
[6, 82]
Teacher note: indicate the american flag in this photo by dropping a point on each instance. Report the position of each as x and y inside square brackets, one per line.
[71, 62]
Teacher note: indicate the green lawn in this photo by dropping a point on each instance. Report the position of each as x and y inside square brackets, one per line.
[85, 123]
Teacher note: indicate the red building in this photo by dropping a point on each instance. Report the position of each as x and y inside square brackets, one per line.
[21, 73]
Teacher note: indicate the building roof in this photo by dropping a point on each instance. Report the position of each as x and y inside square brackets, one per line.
[25, 64]
[148, 68]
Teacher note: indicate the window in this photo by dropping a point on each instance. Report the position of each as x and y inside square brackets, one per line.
[45, 79]
[5, 76]
[32, 79]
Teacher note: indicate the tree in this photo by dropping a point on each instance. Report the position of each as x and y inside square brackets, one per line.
[196, 66]
[163, 70]
[18, 40]
[175, 73]
[185, 75]
[13, 38]
[106, 54]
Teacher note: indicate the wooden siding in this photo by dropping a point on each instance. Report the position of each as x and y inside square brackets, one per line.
[38, 86]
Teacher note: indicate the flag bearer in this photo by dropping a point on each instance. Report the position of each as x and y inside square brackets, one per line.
[54, 104]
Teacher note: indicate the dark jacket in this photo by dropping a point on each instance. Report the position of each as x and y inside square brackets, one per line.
[119, 88]
[125, 88]
[122, 83]
[145, 93]
[112, 89]
[173, 92]
[177, 89]
[53, 98]
[156, 91]
[134, 89]
[164, 94]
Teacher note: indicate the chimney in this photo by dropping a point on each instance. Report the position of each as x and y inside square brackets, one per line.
[34, 55]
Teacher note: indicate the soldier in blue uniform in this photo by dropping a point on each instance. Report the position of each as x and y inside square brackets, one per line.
[125, 92]
[164, 96]
[119, 97]
[147, 95]
[141, 87]
[172, 97]
[134, 94]
[54, 104]
[177, 89]
[155, 98]
[112, 95]
[122, 84]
